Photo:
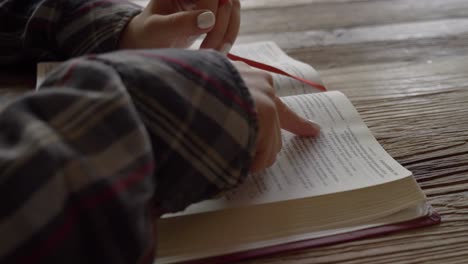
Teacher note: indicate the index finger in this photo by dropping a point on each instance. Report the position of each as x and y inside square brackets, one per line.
[215, 39]
[293, 122]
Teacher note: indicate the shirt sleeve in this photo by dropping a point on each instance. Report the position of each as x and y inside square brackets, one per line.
[200, 117]
[55, 30]
[107, 141]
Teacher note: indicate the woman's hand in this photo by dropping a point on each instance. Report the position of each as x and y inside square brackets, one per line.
[177, 23]
[273, 115]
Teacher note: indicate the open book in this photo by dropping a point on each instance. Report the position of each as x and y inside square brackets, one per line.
[337, 187]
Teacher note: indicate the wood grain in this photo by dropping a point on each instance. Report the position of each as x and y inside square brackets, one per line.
[404, 65]
[307, 15]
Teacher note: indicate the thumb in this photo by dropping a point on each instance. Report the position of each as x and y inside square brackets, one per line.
[293, 122]
[189, 23]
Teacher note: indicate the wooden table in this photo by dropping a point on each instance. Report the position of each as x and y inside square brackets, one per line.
[404, 65]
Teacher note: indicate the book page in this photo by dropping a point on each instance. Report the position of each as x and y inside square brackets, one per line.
[344, 157]
[265, 52]
[176, 245]
[269, 53]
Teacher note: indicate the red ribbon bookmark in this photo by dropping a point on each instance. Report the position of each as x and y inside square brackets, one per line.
[270, 68]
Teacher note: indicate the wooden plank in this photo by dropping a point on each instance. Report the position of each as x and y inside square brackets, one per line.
[362, 34]
[325, 16]
[419, 112]
[428, 106]
[258, 4]
[419, 41]
[404, 65]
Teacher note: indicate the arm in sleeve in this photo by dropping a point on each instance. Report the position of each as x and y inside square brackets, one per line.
[55, 30]
[200, 117]
[106, 141]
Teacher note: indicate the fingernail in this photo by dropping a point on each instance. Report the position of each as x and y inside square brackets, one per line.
[206, 20]
[226, 48]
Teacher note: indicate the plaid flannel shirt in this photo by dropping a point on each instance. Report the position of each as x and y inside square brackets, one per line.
[109, 139]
